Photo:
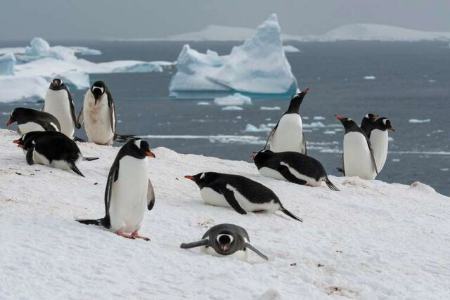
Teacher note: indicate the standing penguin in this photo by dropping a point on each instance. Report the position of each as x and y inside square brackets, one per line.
[239, 192]
[368, 123]
[288, 133]
[225, 239]
[379, 141]
[33, 120]
[292, 166]
[98, 114]
[59, 103]
[129, 192]
[358, 157]
[51, 148]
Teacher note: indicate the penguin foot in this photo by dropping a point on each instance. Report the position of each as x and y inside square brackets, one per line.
[123, 234]
[135, 235]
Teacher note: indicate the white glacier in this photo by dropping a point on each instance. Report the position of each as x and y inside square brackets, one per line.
[258, 66]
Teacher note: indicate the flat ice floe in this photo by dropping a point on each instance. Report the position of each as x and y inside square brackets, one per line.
[234, 99]
[418, 121]
[270, 108]
[25, 72]
[336, 252]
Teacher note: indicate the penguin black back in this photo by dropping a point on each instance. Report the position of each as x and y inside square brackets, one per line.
[23, 115]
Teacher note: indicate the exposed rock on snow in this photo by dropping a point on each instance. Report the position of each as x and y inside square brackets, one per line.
[337, 251]
[257, 66]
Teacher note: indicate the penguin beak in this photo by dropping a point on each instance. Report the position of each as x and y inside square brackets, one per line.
[340, 117]
[189, 177]
[16, 141]
[225, 247]
[391, 129]
[9, 122]
[253, 155]
[150, 154]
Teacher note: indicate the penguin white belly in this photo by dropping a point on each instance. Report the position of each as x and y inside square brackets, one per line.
[265, 171]
[29, 127]
[97, 121]
[250, 206]
[379, 141]
[212, 197]
[289, 135]
[129, 195]
[357, 160]
[40, 159]
[57, 103]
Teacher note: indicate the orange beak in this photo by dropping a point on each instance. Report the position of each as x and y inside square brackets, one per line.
[150, 154]
[16, 141]
[253, 155]
[189, 177]
[9, 122]
[339, 117]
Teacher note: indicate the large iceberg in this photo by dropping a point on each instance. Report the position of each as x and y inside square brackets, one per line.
[25, 72]
[258, 66]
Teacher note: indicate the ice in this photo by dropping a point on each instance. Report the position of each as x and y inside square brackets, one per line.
[336, 253]
[235, 99]
[418, 121]
[270, 108]
[203, 103]
[290, 49]
[258, 66]
[318, 118]
[7, 63]
[369, 77]
[232, 107]
[261, 128]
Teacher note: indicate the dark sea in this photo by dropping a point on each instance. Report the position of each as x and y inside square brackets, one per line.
[407, 82]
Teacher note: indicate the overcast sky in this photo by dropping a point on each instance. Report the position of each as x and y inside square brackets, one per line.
[97, 19]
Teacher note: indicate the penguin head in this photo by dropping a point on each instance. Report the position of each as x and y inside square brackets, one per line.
[371, 117]
[26, 141]
[202, 179]
[56, 84]
[261, 156]
[296, 101]
[224, 243]
[346, 122]
[98, 89]
[384, 124]
[137, 148]
[16, 113]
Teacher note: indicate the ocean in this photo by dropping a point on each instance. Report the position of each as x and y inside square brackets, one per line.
[406, 82]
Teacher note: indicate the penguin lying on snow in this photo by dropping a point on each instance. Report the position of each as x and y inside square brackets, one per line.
[129, 192]
[51, 148]
[59, 103]
[239, 192]
[33, 120]
[288, 133]
[225, 239]
[358, 156]
[292, 166]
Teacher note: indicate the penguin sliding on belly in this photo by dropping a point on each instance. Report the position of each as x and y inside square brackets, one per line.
[53, 149]
[33, 120]
[358, 156]
[225, 239]
[292, 166]
[288, 133]
[379, 140]
[129, 192]
[242, 194]
[59, 103]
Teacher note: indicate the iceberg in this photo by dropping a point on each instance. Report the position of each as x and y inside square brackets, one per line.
[258, 66]
[7, 63]
[235, 99]
[290, 49]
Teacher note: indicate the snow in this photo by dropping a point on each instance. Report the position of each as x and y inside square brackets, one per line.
[336, 252]
[290, 49]
[257, 66]
[418, 121]
[235, 99]
[40, 62]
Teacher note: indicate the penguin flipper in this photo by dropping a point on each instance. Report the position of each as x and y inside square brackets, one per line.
[304, 144]
[330, 184]
[269, 138]
[288, 213]
[72, 109]
[229, 196]
[105, 222]
[29, 156]
[89, 158]
[194, 244]
[75, 169]
[249, 246]
[372, 157]
[80, 118]
[112, 177]
[150, 196]
[289, 177]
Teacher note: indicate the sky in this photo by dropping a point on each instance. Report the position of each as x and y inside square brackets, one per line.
[106, 19]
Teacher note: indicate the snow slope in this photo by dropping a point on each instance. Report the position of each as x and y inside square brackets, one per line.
[371, 240]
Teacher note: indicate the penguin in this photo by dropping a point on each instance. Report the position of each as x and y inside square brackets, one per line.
[59, 103]
[98, 114]
[33, 120]
[358, 156]
[225, 239]
[379, 140]
[239, 192]
[292, 166]
[368, 123]
[288, 135]
[129, 192]
[51, 148]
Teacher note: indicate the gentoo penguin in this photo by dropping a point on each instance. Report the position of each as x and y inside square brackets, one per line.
[225, 239]
[241, 193]
[33, 120]
[129, 192]
[368, 123]
[379, 140]
[98, 114]
[292, 166]
[59, 103]
[358, 157]
[51, 148]
[287, 135]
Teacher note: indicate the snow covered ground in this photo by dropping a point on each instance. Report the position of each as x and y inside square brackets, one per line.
[370, 240]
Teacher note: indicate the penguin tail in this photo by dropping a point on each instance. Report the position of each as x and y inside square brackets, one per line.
[288, 213]
[78, 139]
[122, 138]
[88, 158]
[98, 222]
[75, 169]
[340, 170]
[331, 185]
